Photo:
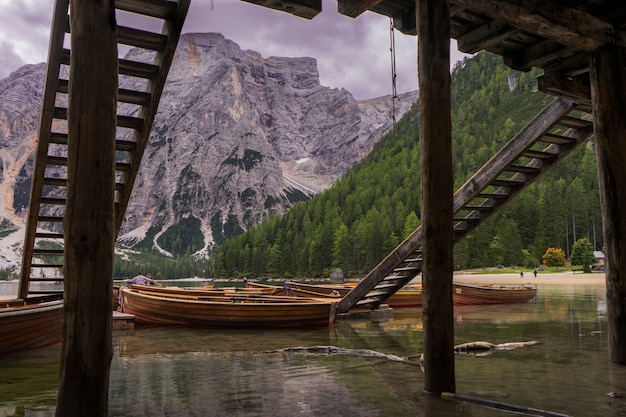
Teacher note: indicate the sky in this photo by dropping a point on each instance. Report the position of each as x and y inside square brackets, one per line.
[351, 53]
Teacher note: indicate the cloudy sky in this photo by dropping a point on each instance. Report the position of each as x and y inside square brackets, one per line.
[351, 53]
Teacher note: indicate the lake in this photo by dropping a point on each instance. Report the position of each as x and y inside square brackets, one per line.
[158, 371]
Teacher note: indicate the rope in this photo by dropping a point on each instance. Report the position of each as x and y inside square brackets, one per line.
[394, 94]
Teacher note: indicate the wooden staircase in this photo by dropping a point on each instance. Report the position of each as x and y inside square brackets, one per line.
[42, 259]
[555, 132]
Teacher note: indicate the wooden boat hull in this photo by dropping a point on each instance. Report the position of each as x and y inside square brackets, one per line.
[409, 296]
[474, 295]
[31, 323]
[405, 298]
[240, 311]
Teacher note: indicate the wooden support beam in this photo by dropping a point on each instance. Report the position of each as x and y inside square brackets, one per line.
[551, 20]
[484, 36]
[576, 89]
[405, 22]
[355, 8]
[608, 96]
[307, 9]
[435, 132]
[536, 55]
[90, 216]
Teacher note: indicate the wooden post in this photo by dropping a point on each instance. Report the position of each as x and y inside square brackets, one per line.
[435, 129]
[89, 218]
[608, 100]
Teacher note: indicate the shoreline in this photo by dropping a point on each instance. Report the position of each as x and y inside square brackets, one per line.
[565, 277]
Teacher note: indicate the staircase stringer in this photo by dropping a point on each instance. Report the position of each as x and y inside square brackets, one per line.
[172, 29]
[515, 149]
[53, 69]
[52, 143]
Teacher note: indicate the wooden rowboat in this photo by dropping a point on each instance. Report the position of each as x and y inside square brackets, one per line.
[241, 310]
[30, 323]
[492, 294]
[408, 296]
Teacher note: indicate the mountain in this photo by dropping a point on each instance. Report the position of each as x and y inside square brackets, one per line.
[356, 223]
[238, 137]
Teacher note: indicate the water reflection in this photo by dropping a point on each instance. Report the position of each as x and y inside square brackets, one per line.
[189, 372]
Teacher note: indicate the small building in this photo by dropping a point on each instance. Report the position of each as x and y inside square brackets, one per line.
[599, 255]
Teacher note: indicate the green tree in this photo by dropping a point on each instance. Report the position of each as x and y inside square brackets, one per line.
[582, 254]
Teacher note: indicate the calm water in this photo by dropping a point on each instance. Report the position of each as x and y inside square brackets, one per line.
[196, 372]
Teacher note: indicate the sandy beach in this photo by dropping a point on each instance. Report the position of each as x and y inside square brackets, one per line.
[565, 277]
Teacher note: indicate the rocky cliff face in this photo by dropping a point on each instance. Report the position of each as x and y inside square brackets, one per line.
[238, 137]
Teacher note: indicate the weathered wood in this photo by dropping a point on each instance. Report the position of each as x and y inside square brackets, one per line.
[303, 8]
[162, 62]
[565, 25]
[537, 55]
[435, 132]
[355, 8]
[608, 97]
[573, 88]
[484, 36]
[90, 217]
[45, 127]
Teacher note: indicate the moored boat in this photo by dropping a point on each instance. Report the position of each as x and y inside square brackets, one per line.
[237, 310]
[408, 296]
[30, 323]
[492, 294]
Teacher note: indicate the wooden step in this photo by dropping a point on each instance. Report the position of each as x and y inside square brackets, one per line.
[125, 145]
[58, 138]
[49, 235]
[130, 122]
[160, 9]
[45, 279]
[38, 251]
[141, 38]
[140, 98]
[124, 95]
[137, 69]
[406, 269]
[493, 196]
[53, 201]
[125, 67]
[478, 208]
[37, 265]
[507, 183]
[523, 169]
[557, 139]
[57, 182]
[575, 123]
[50, 219]
[530, 153]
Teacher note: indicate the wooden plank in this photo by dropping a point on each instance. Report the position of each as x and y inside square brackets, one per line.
[90, 217]
[141, 38]
[354, 8]
[573, 88]
[551, 20]
[161, 9]
[608, 88]
[484, 36]
[536, 55]
[435, 132]
[307, 9]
